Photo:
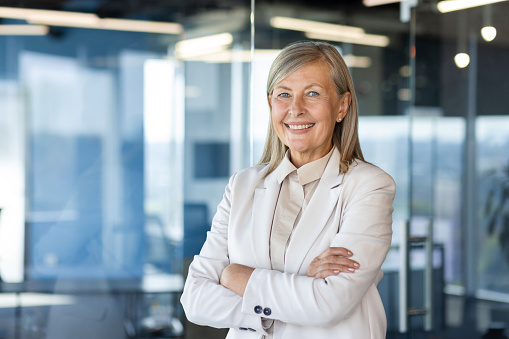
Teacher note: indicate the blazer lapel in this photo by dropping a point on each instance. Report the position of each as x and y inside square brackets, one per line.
[264, 204]
[316, 216]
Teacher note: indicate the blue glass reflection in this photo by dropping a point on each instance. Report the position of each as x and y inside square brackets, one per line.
[66, 224]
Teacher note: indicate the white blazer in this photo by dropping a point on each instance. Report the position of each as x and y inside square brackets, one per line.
[352, 211]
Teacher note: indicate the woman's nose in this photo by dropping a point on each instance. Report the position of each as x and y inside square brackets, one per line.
[297, 107]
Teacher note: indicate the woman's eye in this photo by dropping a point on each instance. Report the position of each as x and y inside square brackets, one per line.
[313, 94]
[283, 95]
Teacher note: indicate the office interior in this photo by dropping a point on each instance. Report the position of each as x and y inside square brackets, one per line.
[121, 122]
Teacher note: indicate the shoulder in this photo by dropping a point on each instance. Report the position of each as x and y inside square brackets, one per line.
[250, 177]
[365, 169]
[254, 173]
[364, 174]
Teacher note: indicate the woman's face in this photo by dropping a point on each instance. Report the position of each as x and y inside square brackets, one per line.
[305, 109]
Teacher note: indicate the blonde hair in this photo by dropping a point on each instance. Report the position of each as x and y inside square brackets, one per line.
[345, 137]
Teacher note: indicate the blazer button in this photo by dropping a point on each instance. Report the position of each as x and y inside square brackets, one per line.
[258, 309]
[267, 311]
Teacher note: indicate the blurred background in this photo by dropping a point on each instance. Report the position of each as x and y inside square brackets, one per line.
[122, 120]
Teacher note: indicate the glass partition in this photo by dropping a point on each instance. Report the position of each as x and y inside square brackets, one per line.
[116, 145]
[492, 169]
[459, 74]
[117, 142]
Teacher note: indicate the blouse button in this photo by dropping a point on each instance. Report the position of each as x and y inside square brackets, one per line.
[258, 309]
[267, 311]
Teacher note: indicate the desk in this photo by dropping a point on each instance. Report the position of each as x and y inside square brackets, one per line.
[162, 316]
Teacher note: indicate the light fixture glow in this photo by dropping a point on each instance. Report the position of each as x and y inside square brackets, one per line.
[404, 94]
[315, 27]
[11, 300]
[87, 20]
[229, 56]
[141, 26]
[41, 15]
[456, 5]
[405, 71]
[332, 32]
[366, 39]
[202, 46]
[489, 33]
[23, 30]
[371, 3]
[355, 61]
[462, 60]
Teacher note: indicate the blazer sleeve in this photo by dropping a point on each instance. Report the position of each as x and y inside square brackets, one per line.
[204, 299]
[366, 230]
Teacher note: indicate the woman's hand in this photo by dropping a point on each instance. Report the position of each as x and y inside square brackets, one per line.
[331, 262]
[235, 277]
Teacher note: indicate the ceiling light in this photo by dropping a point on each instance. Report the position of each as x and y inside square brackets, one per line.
[315, 27]
[354, 61]
[489, 33]
[405, 71]
[202, 46]
[48, 16]
[88, 20]
[141, 26]
[332, 32]
[371, 3]
[229, 56]
[456, 5]
[462, 60]
[23, 30]
[366, 39]
[404, 94]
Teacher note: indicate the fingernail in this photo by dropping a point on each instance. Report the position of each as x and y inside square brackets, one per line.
[350, 253]
[356, 265]
[351, 269]
[336, 272]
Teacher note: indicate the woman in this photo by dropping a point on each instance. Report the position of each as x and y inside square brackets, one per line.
[297, 242]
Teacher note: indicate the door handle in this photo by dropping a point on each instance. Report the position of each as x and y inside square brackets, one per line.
[404, 277]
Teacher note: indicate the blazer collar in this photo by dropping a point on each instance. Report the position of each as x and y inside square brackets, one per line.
[311, 224]
[316, 216]
[331, 176]
[264, 205]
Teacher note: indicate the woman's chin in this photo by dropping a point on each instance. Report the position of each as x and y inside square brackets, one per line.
[298, 149]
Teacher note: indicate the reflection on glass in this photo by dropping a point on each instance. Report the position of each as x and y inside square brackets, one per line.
[85, 216]
[437, 144]
[384, 142]
[448, 199]
[493, 201]
[12, 181]
[163, 154]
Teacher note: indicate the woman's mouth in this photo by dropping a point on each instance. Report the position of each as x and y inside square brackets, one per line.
[299, 127]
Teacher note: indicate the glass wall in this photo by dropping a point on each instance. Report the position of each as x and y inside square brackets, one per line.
[460, 78]
[117, 141]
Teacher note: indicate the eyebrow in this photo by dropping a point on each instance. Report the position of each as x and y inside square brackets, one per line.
[308, 86]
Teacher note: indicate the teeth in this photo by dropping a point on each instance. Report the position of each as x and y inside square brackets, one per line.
[300, 126]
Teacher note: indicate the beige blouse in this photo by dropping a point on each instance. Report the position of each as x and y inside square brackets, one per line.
[297, 188]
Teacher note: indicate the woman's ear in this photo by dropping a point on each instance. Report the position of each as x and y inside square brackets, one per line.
[344, 105]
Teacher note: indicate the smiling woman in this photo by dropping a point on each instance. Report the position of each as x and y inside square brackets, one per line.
[297, 243]
[305, 109]
[320, 65]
